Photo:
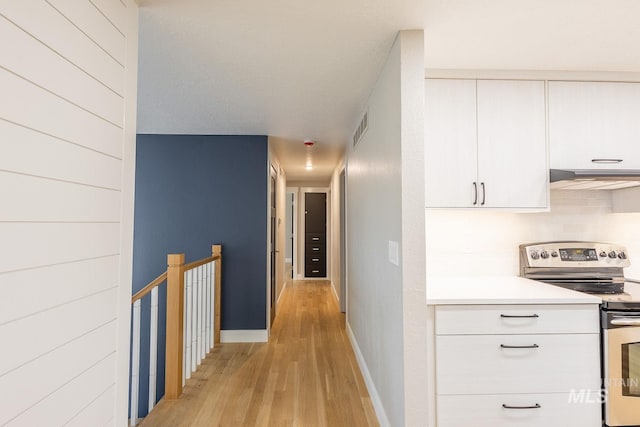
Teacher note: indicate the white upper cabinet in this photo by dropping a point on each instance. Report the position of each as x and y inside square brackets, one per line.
[451, 168]
[594, 121]
[485, 144]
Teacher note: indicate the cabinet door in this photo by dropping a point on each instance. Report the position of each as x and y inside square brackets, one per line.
[594, 120]
[512, 153]
[450, 143]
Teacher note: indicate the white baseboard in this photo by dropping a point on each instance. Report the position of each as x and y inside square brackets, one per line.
[244, 335]
[335, 294]
[371, 387]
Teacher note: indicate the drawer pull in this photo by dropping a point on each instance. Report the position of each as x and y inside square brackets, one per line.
[519, 346]
[315, 271]
[515, 316]
[536, 406]
[315, 238]
[315, 259]
[315, 249]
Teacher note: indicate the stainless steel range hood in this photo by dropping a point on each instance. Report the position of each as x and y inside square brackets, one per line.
[594, 179]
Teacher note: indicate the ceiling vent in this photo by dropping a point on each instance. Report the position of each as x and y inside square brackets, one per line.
[362, 129]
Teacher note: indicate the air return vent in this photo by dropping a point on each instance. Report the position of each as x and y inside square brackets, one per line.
[362, 129]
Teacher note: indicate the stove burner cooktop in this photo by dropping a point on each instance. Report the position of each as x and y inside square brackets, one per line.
[590, 267]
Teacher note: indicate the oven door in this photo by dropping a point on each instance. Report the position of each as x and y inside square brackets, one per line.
[622, 369]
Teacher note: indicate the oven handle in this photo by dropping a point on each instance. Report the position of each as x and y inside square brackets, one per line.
[625, 321]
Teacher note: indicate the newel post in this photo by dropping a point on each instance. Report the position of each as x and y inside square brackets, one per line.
[216, 251]
[175, 326]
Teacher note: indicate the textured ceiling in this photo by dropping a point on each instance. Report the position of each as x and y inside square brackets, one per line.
[295, 69]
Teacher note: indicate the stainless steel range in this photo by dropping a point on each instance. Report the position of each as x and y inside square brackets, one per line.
[597, 268]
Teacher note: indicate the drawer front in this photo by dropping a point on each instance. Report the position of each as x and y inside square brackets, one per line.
[556, 410]
[478, 364]
[517, 319]
[315, 249]
[317, 261]
[315, 238]
[315, 271]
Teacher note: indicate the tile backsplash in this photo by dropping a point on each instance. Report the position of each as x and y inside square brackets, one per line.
[479, 242]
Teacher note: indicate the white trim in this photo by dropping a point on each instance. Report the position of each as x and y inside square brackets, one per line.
[244, 335]
[335, 294]
[371, 387]
[121, 407]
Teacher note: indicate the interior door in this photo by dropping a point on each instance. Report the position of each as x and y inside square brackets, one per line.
[315, 230]
[274, 252]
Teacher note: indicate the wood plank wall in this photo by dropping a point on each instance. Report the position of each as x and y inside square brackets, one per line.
[62, 108]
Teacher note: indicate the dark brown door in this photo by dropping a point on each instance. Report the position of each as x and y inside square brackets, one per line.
[274, 251]
[315, 229]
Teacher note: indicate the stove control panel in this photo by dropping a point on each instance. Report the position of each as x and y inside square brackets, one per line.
[573, 254]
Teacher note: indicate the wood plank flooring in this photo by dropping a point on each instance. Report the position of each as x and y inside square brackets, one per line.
[306, 375]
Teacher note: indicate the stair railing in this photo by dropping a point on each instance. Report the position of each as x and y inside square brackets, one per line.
[192, 324]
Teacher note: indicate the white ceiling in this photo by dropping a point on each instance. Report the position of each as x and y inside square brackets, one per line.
[295, 69]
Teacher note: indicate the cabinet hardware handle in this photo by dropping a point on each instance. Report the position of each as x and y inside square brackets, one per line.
[519, 346]
[315, 238]
[315, 259]
[516, 316]
[484, 193]
[606, 160]
[315, 271]
[475, 192]
[315, 249]
[536, 406]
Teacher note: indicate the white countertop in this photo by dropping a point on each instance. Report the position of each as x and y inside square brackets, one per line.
[500, 290]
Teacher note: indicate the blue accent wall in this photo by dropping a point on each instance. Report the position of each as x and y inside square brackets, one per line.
[193, 191]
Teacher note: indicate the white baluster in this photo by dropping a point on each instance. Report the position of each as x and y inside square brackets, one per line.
[194, 319]
[213, 305]
[135, 363]
[208, 309]
[203, 301]
[187, 324]
[199, 319]
[153, 348]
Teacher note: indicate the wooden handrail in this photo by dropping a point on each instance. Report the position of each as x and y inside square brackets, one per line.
[198, 263]
[147, 289]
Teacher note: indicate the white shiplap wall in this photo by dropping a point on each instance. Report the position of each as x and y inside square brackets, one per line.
[65, 66]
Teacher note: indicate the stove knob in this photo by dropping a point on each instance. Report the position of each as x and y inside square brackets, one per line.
[612, 254]
[603, 254]
[544, 254]
[554, 254]
[534, 255]
[622, 255]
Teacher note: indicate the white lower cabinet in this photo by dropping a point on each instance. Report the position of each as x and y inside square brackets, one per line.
[519, 365]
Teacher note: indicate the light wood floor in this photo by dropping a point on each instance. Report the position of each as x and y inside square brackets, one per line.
[305, 376]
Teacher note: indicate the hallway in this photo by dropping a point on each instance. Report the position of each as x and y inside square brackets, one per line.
[306, 375]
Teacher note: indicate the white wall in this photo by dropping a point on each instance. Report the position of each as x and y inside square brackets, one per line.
[384, 173]
[65, 82]
[474, 242]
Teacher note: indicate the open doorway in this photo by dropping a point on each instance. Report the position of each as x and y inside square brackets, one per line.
[343, 243]
[290, 241]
